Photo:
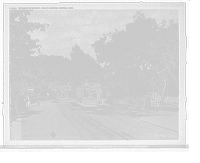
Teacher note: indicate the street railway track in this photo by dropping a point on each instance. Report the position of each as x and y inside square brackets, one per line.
[106, 128]
[77, 123]
[144, 121]
[122, 134]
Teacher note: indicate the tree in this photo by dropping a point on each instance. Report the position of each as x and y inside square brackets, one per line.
[144, 51]
[93, 68]
[154, 73]
[77, 62]
[54, 68]
[21, 47]
[163, 46]
[84, 66]
[114, 50]
[122, 51]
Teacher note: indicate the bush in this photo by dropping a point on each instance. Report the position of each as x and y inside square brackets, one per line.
[120, 96]
[136, 100]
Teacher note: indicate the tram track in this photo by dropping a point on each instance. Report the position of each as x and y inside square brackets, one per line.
[106, 127]
[141, 121]
[103, 123]
[89, 122]
[106, 122]
[150, 127]
[157, 125]
[115, 132]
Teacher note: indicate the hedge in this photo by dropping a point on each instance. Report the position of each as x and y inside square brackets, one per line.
[134, 99]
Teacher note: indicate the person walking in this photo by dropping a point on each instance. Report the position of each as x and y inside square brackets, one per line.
[28, 99]
[39, 98]
[47, 96]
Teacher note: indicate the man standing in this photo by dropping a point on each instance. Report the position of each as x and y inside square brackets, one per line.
[39, 98]
[47, 96]
[28, 99]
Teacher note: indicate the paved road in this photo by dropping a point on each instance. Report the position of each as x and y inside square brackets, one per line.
[63, 121]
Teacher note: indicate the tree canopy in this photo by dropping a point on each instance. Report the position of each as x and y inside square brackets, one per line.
[84, 66]
[141, 58]
[27, 60]
[23, 66]
[145, 51]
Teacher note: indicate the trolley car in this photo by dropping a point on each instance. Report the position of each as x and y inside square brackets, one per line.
[63, 93]
[89, 92]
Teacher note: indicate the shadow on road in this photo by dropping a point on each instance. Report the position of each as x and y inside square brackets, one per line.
[124, 110]
[59, 102]
[76, 104]
[135, 113]
[29, 113]
[147, 114]
[55, 101]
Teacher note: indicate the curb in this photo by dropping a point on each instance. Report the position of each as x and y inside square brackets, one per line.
[120, 105]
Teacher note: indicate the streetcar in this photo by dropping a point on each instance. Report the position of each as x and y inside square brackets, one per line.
[89, 92]
[63, 93]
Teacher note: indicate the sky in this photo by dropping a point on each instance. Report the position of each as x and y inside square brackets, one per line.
[84, 27]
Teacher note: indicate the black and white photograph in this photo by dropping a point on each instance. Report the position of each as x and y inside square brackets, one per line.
[94, 74]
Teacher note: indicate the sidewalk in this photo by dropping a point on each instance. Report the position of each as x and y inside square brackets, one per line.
[165, 117]
[164, 105]
[36, 124]
[161, 106]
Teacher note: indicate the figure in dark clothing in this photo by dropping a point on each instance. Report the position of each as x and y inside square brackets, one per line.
[47, 96]
[39, 98]
[28, 99]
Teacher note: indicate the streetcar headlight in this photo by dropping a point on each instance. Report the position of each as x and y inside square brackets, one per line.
[86, 95]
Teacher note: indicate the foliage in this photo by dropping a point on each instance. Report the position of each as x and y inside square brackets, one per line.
[162, 45]
[51, 70]
[84, 66]
[121, 51]
[136, 100]
[138, 60]
[133, 99]
[54, 68]
[119, 96]
[145, 51]
[21, 47]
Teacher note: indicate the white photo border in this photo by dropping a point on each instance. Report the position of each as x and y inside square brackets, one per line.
[181, 142]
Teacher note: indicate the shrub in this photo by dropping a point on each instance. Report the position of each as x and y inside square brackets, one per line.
[119, 96]
[134, 99]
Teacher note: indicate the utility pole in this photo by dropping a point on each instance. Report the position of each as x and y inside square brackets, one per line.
[167, 93]
[167, 89]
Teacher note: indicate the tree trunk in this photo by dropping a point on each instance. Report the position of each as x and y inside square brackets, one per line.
[163, 92]
[48, 84]
[167, 95]
[129, 74]
[175, 77]
[153, 93]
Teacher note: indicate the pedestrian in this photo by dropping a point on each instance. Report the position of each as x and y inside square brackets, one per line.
[39, 98]
[11, 110]
[22, 103]
[28, 99]
[47, 96]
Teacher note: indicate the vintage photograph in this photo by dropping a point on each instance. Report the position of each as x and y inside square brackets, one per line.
[105, 73]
